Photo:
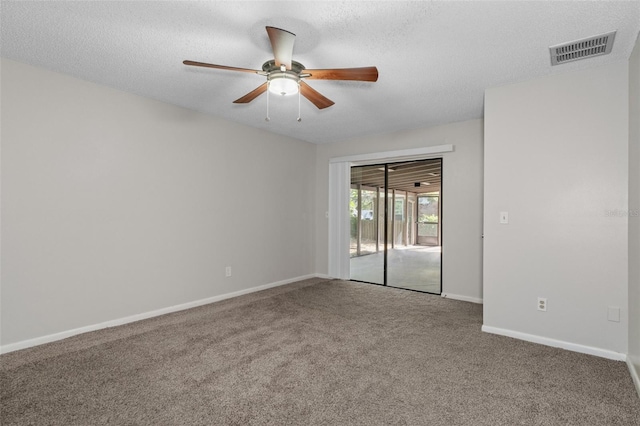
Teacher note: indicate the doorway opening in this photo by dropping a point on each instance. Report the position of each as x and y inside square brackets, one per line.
[396, 226]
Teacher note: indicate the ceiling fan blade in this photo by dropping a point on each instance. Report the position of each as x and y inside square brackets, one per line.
[358, 74]
[282, 45]
[314, 96]
[252, 95]
[222, 67]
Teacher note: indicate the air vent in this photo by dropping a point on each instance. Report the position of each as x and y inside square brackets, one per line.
[582, 49]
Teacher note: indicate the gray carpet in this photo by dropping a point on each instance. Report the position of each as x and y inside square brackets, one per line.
[317, 352]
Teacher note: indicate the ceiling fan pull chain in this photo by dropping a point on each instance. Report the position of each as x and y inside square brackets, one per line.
[299, 117]
[267, 117]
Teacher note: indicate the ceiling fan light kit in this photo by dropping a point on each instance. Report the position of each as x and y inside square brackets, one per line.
[283, 84]
[285, 76]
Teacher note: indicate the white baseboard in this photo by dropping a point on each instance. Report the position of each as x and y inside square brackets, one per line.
[589, 350]
[460, 297]
[145, 315]
[632, 362]
[327, 277]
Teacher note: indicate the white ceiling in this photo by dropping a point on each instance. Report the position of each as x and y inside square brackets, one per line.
[434, 58]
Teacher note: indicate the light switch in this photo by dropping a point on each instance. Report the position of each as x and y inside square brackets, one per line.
[504, 217]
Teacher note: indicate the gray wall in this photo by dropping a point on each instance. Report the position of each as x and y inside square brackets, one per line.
[115, 205]
[634, 207]
[461, 200]
[556, 158]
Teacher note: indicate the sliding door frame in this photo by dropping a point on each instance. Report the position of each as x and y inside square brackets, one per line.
[339, 190]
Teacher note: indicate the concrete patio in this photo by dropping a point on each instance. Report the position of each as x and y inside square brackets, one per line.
[410, 267]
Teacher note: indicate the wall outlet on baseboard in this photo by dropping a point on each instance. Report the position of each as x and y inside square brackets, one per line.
[542, 304]
[227, 271]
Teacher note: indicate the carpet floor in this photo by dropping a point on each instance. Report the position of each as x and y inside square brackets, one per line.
[316, 352]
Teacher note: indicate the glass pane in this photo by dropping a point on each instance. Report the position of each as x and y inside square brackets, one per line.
[367, 224]
[399, 208]
[413, 262]
[412, 237]
[399, 219]
[368, 230]
[428, 219]
[428, 208]
[363, 231]
[353, 220]
[390, 229]
[428, 229]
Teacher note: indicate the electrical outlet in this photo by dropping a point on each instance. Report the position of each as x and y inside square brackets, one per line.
[542, 304]
[227, 271]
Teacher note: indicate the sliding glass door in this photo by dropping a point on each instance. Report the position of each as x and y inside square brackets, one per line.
[395, 224]
[367, 213]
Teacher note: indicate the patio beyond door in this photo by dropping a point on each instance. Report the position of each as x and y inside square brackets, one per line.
[395, 224]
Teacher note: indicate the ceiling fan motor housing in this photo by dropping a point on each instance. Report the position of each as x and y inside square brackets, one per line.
[270, 66]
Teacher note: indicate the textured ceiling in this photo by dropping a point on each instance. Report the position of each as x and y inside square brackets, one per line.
[434, 58]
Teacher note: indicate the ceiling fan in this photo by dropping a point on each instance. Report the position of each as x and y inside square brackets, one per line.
[285, 76]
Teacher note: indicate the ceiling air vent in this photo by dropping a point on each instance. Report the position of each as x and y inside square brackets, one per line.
[582, 49]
